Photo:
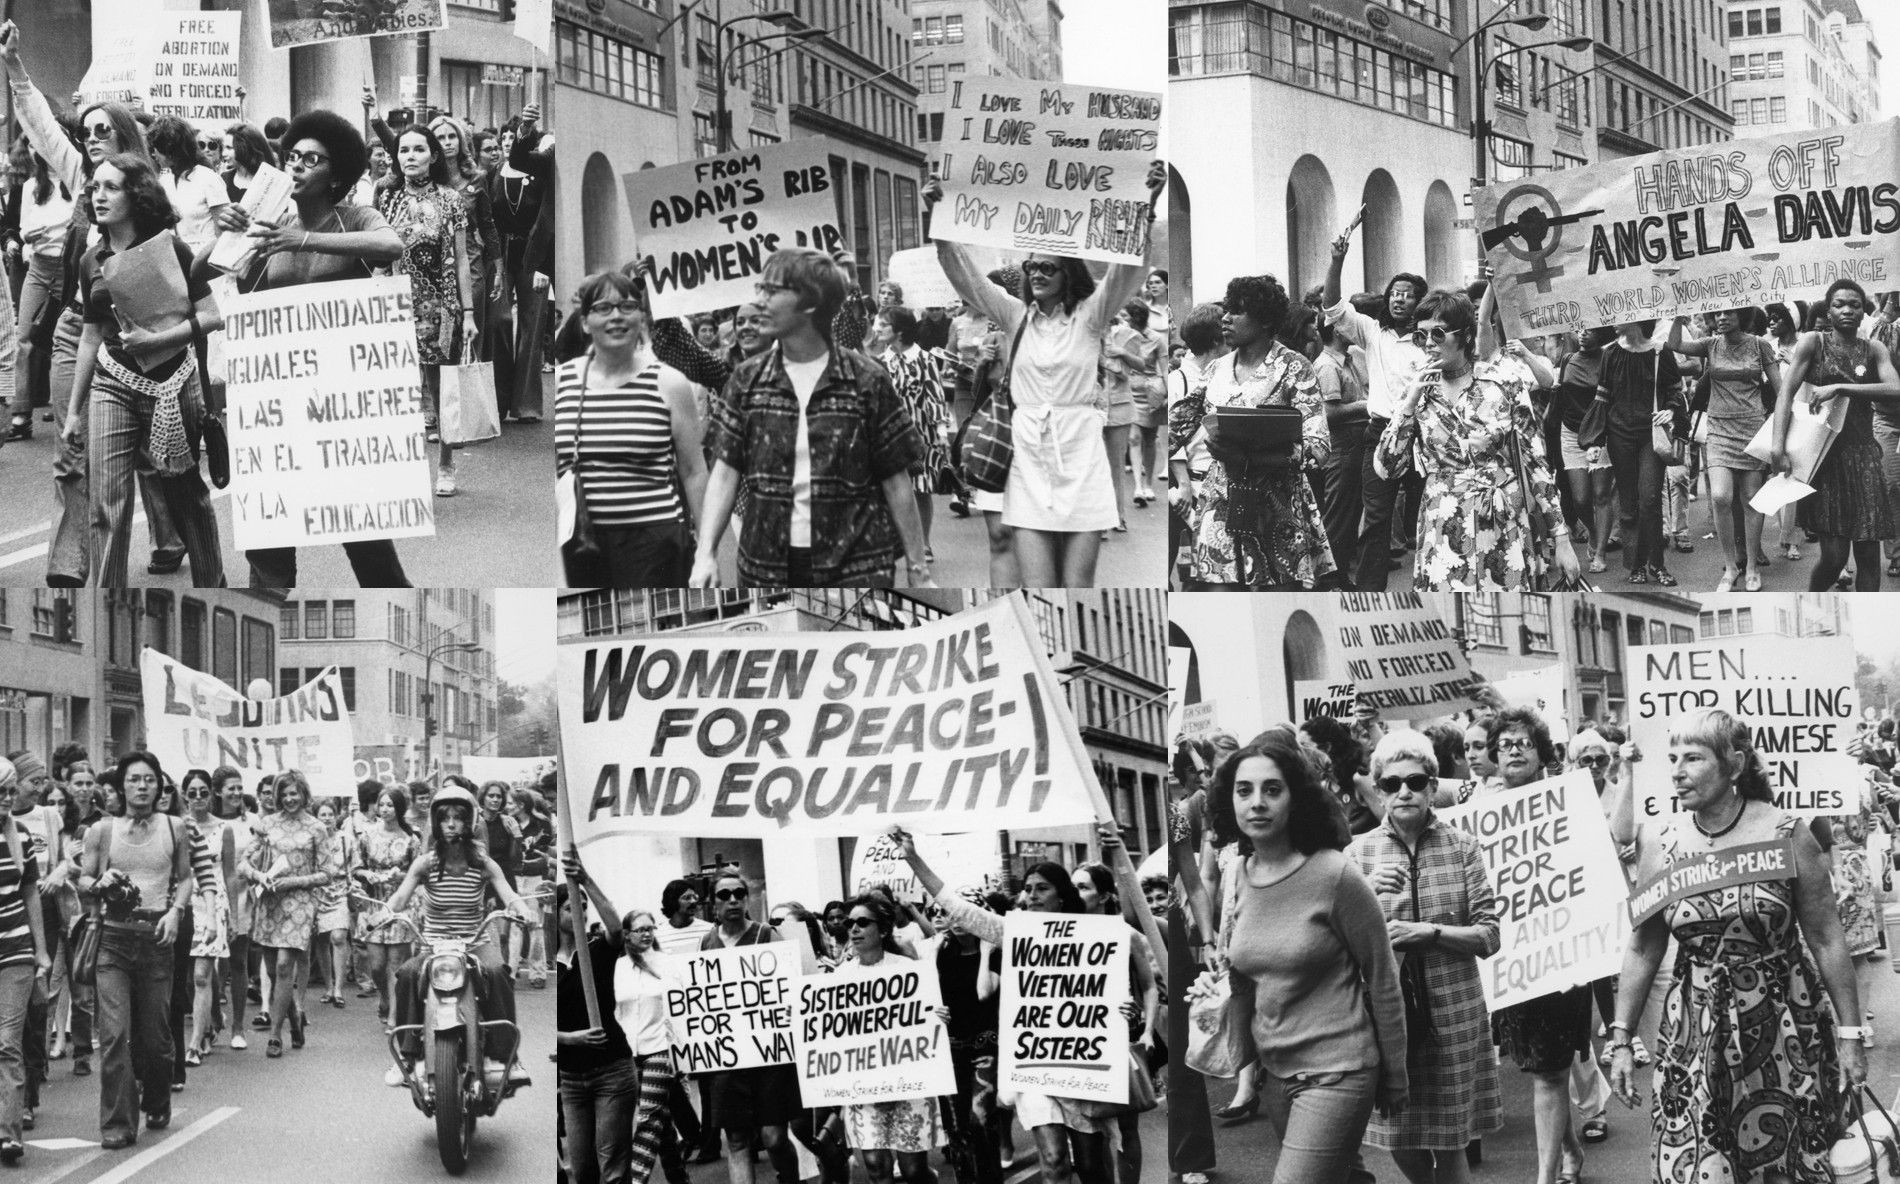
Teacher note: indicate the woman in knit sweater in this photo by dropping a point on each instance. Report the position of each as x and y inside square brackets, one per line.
[1312, 968]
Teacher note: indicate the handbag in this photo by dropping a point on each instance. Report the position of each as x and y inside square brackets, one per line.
[1141, 1094]
[84, 938]
[469, 414]
[581, 553]
[985, 445]
[1218, 1042]
[1868, 1152]
[1670, 448]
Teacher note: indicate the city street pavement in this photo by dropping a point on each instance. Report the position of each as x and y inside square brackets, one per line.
[320, 1113]
[1247, 1153]
[497, 531]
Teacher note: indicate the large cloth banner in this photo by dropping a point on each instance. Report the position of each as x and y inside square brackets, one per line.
[1797, 697]
[194, 721]
[1695, 229]
[324, 398]
[1055, 168]
[950, 726]
[732, 1008]
[1401, 656]
[1561, 896]
[1065, 978]
[301, 22]
[711, 224]
[1711, 871]
[173, 63]
[871, 1034]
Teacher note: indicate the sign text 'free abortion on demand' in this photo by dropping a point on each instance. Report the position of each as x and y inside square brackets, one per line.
[1058, 168]
[1560, 890]
[951, 725]
[1696, 229]
[193, 720]
[1796, 696]
[711, 224]
[173, 63]
[1065, 978]
[325, 401]
[872, 1034]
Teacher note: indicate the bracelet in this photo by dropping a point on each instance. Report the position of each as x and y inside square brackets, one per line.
[1622, 1046]
[1848, 1032]
[305, 244]
[1620, 1026]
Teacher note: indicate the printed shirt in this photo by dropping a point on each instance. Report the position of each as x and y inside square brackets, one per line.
[860, 435]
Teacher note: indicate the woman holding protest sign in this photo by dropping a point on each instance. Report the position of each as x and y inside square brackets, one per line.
[1101, 893]
[1752, 1058]
[325, 239]
[1441, 917]
[1060, 491]
[1849, 510]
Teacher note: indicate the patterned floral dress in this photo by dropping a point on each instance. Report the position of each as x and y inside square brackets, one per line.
[429, 219]
[1853, 878]
[300, 846]
[1266, 532]
[1747, 1075]
[1473, 519]
[919, 383]
[383, 859]
[911, 1125]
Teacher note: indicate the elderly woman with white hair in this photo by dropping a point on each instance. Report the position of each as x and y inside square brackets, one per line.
[1442, 916]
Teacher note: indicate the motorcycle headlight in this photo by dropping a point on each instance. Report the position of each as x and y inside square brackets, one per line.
[446, 974]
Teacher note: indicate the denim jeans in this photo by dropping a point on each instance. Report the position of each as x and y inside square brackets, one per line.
[598, 1108]
[16, 987]
[1321, 1120]
[1190, 1126]
[135, 1032]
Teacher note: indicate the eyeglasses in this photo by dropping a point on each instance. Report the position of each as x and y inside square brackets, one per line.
[638, 928]
[1514, 743]
[765, 291]
[1042, 267]
[1436, 335]
[309, 160]
[1416, 782]
[99, 131]
[1600, 760]
[732, 894]
[625, 308]
[861, 923]
[195, 794]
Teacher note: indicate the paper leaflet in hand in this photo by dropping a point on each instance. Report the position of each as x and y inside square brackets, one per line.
[1778, 491]
[267, 200]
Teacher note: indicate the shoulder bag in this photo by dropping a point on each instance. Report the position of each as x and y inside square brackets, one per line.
[985, 447]
[581, 554]
[84, 938]
[1669, 448]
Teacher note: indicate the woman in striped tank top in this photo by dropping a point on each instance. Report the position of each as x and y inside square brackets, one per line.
[626, 426]
[213, 860]
[458, 874]
[24, 959]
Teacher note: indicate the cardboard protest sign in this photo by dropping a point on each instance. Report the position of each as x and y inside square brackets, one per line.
[1058, 168]
[967, 859]
[1314, 697]
[1197, 719]
[1797, 697]
[925, 285]
[1560, 889]
[732, 1008]
[192, 720]
[939, 728]
[192, 71]
[1180, 660]
[114, 73]
[393, 762]
[871, 1034]
[1402, 656]
[1065, 978]
[325, 410]
[301, 22]
[710, 224]
[534, 22]
[1712, 871]
[1695, 229]
[1542, 690]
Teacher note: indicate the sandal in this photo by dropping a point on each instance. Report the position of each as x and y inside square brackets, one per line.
[1727, 582]
[1661, 576]
[1595, 1130]
[1639, 576]
[194, 1058]
[1571, 1171]
[1753, 582]
[1597, 565]
[1792, 552]
[273, 1047]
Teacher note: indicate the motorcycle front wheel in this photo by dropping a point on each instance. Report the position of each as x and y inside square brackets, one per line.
[454, 1120]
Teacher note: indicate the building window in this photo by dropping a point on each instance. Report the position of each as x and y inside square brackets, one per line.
[191, 634]
[224, 647]
[343, 619]
[1537, 622]
[1758, 110]
[705, 135]
[933, 30]
[1777, 109]
[260, 650]
[316, 620]
[287, 621]
[42, 613]
[933, 80]
[1484, 624]
[493, 6]
[347, 674]
[610, 67]
[1510, 158]
[953, 29]
[1775, 64]
[289, 678]
[909, 231]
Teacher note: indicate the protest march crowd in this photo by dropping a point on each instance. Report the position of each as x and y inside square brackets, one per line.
[1033, 398]
[1316, 442]
[152, 918]
[125, 235]
[1734, 1015]
[625, 1101]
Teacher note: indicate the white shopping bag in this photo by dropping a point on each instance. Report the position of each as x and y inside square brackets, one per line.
[468, 403]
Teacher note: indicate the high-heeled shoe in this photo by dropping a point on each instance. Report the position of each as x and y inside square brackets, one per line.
[1235, 1115]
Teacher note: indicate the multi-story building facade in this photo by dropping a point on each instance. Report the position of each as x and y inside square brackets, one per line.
[49, 670]
[407, 658]
[954, 39]
[1801, 65]
[1662, 75]
[1107, 645]
[229, 634]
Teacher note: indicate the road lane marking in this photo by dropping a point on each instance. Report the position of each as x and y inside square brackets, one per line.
[151, 1155]
[37, 550]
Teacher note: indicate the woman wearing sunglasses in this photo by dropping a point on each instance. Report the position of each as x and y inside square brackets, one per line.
[213, 864]
[1468, 423]
[1441, 916]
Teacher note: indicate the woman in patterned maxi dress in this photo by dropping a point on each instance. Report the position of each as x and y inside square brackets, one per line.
[1749, 1065]
[919, 383]
[294, 856]
[1477, 442]
[1433, 889]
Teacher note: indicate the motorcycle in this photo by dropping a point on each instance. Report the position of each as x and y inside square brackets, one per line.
[455, 1082]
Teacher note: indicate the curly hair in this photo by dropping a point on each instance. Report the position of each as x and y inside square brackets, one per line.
[1528, 720]
[1342, 748]
[349, 155]
[882, 912]
[1316, 820]
[1137, 314]
[1079, 285]
[438, 160]
[1846, 285]
[1419, 288]
[1258, 296]
[152, 209]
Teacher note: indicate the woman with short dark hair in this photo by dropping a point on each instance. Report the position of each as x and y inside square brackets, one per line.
[919, 382]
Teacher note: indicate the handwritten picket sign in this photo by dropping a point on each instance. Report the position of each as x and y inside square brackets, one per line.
[872, 1034]
[732, 1008]
[304, 22]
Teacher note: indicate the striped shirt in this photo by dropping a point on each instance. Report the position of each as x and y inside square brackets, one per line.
[455, 903]
[16, 940]
[626, 446]
[207, 856]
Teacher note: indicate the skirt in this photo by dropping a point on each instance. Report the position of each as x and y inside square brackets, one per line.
[1060, 480]
[210, 925]
[909, 1126]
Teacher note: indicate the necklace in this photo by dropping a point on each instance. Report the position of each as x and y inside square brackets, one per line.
[1713, 835]
[1451, 376]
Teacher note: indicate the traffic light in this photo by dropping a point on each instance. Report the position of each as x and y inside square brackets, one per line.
[428, 726]
[507, 10]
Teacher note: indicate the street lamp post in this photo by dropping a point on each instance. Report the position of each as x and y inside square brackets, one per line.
[1480, 124]
[724, 116]
[776, 16]
[428, 694]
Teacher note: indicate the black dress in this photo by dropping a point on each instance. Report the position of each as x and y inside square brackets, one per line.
[1850, 491]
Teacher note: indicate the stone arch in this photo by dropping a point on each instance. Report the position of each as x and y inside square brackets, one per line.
[1441, 236]
[1302, 651]
[600, 197]
[1310, 224]
[1380, 235]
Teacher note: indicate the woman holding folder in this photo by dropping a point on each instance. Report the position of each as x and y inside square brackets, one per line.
[137, 382]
